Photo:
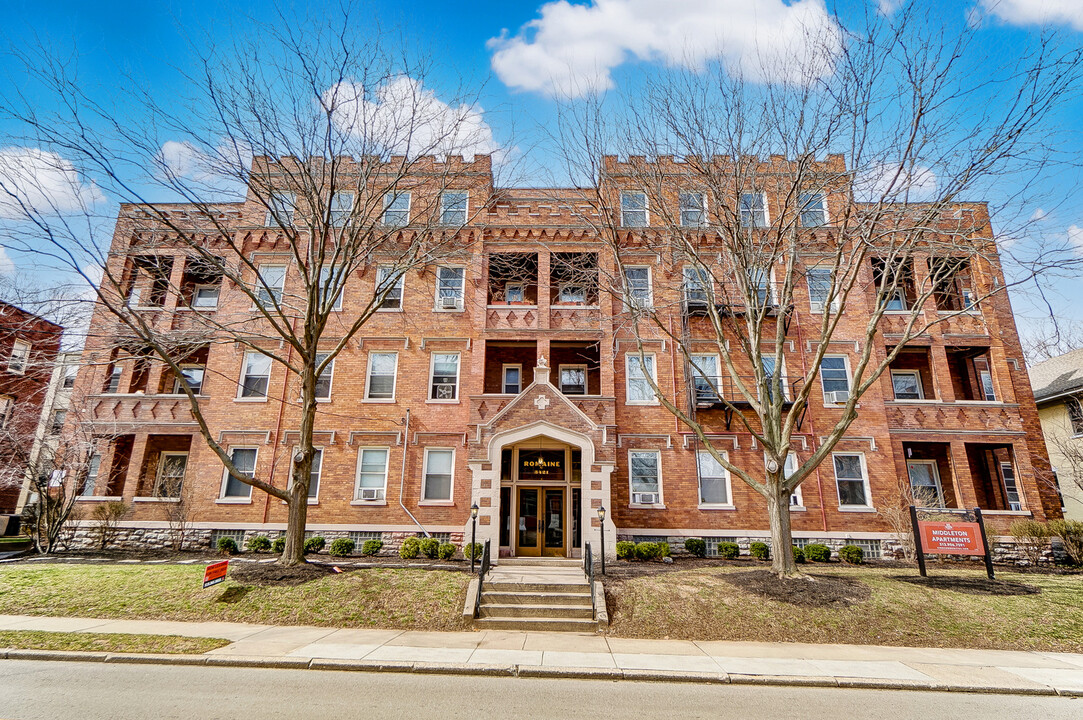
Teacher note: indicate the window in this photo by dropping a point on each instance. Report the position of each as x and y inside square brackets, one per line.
[714, 481]
[768, 364]
[819, 290]
[381, 376]
[753, 210]
[705, 378]
[57, 424]
[313, 475]
[445, 377]
[371, 474]
[759, 284]
[813, 210]
[1011, 490]
[397, 209]
[644, 476]
[438, 474]
[331, 282]
[341, 208]
[193, 375]
[637, 283]
[788, 470]
[256, 376]
[695, 285]
[573, 379]
[640, 373]
[112, 381]
[453, 206]
[449, 288]
[633, 209]
[20, 356]
[93, 465]
[693, 209]
[571, 294]
[70, 373]
[907, 385]
[987, 390]
[244, 459]
[1075, 415]
[513, 379]
[6, 404]
[850, 479]
[272, 280]
[835, 379]
[386, 281]
[282, 205]
[514, 293]
[205, 297]
[170, 479]
[925, 483]
[323, 380]
[896, 301]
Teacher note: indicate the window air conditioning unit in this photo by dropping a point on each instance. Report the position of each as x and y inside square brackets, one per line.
[818, 307]
[644, 498]
[449, 303]
[838, 397]
[370, 493]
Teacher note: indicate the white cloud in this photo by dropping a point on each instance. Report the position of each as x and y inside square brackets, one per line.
[218, 171]
[41, 182]
[7, 265]
[890, 182]
[402, 117]
[572, 50]
[888, 7]
[1075, 238]
[1038, 215]
[1036, 12]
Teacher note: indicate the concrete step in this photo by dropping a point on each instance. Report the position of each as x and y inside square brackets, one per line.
[536, 612]
[540, 562]
[536, 598]
[534, 587]
[537, 624]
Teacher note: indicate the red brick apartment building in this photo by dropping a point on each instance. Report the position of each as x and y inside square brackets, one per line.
[28, 348]
[514, 394]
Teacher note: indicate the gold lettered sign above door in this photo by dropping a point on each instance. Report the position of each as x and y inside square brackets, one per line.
[541, 465]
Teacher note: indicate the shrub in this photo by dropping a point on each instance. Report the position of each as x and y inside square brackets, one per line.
[851, 554]
[227, 545]
[728, 550]
[341, 547]
[430, 546]
[1070, 533]
[411, 546]
[1031, 537]
[798, 555]
[648, 551]
[106, 518]
[372, 547]
[314, 544]
[279, 545]
[663, 550]
[817, 552]
[695, 546]
[626, 550]
[446, 551]
[260, 543]
[472, 551]
[759, 550]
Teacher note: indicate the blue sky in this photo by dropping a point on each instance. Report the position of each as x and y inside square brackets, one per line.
[518, 53]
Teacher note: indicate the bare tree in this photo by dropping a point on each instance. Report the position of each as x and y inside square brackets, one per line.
[726, 192]
[342, 154]
[1051, 339]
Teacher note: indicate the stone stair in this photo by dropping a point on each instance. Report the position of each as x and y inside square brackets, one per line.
[536, 594]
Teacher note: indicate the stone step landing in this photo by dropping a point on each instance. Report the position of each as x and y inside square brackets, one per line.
[536, 594]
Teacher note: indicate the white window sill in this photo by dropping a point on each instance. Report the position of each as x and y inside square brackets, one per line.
[234, 501]
[436, 503]
[388, 310]
[184, 308]
[572, 306]
[379, 401]
[711, 506]
[441, 402]
[857, 508]
[630, 403]
[798, 508]
[898, 312]
[250, 400]
[655, 506]
[370, 503]
[1019, 513]
[98, 498]
[156, 499]
[917, 401]
[448, 310]
[512, 307]
[311, 501]
[839, 406]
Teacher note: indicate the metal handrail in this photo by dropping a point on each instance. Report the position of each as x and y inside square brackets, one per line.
[483, 569]
[588, 570]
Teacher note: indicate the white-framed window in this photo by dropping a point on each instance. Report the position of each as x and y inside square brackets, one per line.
[1011, 489]
[382, 371]
[768, 364]
[1075, 414]
[386, 280]
[255, 375]
[753, 210]
[514, 293]
[112, 381]
[7, 403]
[693, 209]
[694, 284]
[789, 469]
[759, 285]
[170, 477]
[371, 474]
[835, 379]
[397, 209]
[637, 286]
[852, 480]
[639, 373]
[439, 474]
[244, 459]
[327, 277]
[714, 481]
[706, 379]
[813, 209]
[205, 297]
[573, 379]
[925, 483]
[633, 208]
[906, 385]
[444, 374]
[819, 290]
[511, 379]
[453, 208]
[56, 426]
[313, 475]
[341, 208]
[193, 375]
[988, 391]
[571, 294]
[645, 476]
[284, 205]
[324, 379]
[271, 284]
[90, 480]
[70, 373]
[20, 357]
[449, 287]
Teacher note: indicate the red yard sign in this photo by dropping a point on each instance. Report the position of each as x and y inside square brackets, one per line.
[951, 538]
[215, 573]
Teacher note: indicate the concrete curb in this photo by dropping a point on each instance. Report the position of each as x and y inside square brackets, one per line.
[525, 671]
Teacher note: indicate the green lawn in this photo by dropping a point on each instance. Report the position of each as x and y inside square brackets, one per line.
[391, 598]
[107, 642]
[699, 604]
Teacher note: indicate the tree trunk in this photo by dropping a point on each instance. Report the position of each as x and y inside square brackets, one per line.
[301, 459]
[297, 508]
[778, 512]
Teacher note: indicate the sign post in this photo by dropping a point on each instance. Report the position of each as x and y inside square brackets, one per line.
[919, 552]
[985, 544]
[215, 573]
[951, 538]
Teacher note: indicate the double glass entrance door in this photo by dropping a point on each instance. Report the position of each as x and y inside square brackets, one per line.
[540, 521]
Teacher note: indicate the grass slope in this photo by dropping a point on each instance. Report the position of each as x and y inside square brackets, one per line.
[107, 642]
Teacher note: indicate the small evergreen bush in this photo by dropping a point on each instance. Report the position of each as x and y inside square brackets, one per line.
[851, 554]
[728, 550]
[258, 543]
[411, 546]
[817, 552]
[759, 550]
[648, 551]
[696, 546]
[446, 551]
[372, 547]
[314, 544]
[798, 555]
[472, 551]
[430, 547]
[1070, 533]
[626, 550]
[279, 545]
[663, 550]
[341, 547]
[227, 545]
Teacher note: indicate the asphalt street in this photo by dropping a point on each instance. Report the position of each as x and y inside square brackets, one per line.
[86, 691]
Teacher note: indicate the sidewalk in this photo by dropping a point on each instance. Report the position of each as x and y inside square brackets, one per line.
[537, 654]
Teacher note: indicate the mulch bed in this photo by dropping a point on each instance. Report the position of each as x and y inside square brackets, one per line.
[805, 590]
[970, 585]
[265, 574]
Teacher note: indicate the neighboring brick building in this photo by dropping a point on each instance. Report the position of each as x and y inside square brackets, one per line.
[28, 348]
[511, 392]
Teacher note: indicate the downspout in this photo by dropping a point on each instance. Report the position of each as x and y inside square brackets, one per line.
[812, 432]
[402, 475]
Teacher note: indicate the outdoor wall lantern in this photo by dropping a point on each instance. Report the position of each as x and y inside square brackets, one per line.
[473, 534]
[601, 522]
